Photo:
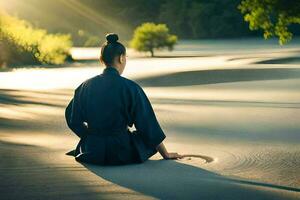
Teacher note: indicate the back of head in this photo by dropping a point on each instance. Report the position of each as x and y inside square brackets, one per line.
[111, 49]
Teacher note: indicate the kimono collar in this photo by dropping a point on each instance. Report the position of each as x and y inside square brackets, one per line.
[110, 70]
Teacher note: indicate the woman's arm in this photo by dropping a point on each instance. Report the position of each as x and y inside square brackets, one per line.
[74, 116]
[165, 154]
[146, 122]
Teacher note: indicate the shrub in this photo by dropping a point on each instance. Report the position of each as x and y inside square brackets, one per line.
[150, 36]
[21, 43]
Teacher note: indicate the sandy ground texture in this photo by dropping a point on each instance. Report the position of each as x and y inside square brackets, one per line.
[241, 110]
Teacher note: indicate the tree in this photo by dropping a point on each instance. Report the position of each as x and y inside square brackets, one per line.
[150, 36]
[272, 16]
[24, 44]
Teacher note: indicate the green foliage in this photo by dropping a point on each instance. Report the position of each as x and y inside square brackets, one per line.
[23, 44]
[203, 19]
[92, 41]
[88, 39]
[188, 19]
[272, 16]
[150, 36]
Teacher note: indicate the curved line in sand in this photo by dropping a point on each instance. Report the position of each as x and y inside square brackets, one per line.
[206, 158]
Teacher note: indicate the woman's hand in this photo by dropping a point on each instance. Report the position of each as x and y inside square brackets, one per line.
[163, 151]
[173, 155]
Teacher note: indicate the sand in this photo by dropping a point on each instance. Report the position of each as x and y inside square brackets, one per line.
[240, 114]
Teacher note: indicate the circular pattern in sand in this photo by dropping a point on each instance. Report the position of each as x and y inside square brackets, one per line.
[206, 159]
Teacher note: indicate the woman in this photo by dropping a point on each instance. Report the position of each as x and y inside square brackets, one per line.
[102, 109]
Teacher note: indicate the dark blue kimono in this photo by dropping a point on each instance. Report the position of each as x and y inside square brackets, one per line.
[102, 109]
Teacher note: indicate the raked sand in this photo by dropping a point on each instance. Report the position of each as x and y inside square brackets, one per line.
[241, 113]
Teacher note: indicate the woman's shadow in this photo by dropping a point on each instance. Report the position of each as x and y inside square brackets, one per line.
[169, 179]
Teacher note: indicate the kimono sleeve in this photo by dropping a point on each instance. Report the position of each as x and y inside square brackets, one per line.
[74, 115]
[145, 120]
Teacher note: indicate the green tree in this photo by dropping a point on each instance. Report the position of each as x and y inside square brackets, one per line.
[24, 44]
[150, 36]
[272, 16]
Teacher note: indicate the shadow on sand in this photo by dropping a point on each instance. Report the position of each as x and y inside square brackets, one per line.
[287, 60]
[174, 180]
[201, 77]
[31, 97]
[28, 101]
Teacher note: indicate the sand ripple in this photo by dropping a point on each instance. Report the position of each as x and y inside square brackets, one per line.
[281, 164]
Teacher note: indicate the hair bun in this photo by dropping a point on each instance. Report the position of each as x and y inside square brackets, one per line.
[111, 37]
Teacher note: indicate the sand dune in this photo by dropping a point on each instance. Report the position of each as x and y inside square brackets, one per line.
[201, 77]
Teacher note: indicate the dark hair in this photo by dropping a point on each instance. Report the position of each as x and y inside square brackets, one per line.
[111, 48]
